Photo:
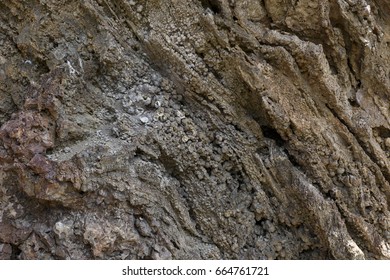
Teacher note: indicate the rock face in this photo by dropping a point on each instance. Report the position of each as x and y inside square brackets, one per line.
[199, 129]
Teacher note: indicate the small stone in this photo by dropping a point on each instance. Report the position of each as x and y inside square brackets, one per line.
[157, 104]
[271, 228]
[147, 100]
[127, 103]
[354, 181]
[234, 246]
[387, 143]
[139, 111]
[278, 247]
[121, 89]
[63, 230]
[180, 115]
[185, 139]
[228, 213]
[340, 170]
[143, 228]
[144, 120]
[162, 117]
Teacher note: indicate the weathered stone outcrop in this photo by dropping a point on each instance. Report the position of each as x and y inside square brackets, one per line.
[199, 129]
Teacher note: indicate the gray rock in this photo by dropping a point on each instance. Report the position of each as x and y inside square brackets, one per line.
[194, 129]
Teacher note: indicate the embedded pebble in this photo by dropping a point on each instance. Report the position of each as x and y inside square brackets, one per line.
[180, 115]
[340, 170]
[185, 139]
[144, 119]
[62, 230]
[157, 104]
[139, 110]
[387, 143]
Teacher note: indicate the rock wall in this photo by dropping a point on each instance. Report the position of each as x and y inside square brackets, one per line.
[197, 129]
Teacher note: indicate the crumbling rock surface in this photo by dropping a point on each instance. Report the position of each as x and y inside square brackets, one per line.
[199, 129]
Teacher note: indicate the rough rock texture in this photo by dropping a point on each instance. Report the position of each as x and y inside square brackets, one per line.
[197, 129]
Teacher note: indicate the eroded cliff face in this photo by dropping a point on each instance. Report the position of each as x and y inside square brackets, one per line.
[194, 129]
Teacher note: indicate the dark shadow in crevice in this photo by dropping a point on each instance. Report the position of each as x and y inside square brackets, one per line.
[291, 158]
[213, 5]
[382, 131]
[271, 133]
[15, 252]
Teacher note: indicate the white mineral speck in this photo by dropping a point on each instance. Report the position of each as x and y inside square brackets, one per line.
[144, 119]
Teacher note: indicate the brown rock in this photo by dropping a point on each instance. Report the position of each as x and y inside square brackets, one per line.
[195, 129]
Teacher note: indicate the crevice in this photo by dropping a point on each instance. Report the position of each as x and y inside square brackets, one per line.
[213, 5]
[15, 255]
[352, 48]
[365, 148]
[353, 230]
[351, 70]
[269, 20]
[169, 164]
[291, 158]
[382, 131]
[271, 133]
[353, 102]
[261, 222]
